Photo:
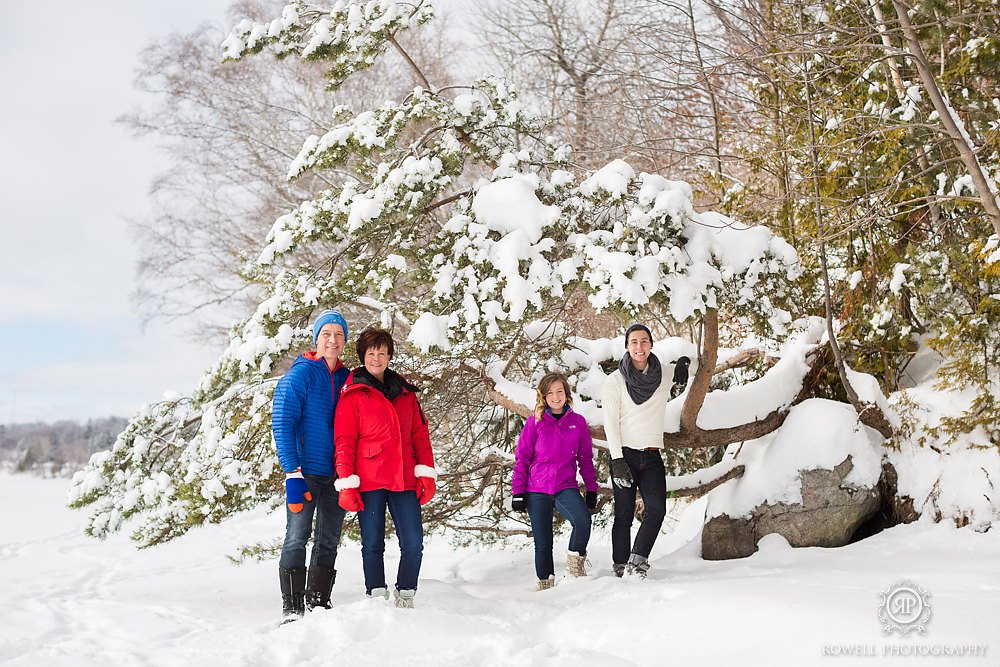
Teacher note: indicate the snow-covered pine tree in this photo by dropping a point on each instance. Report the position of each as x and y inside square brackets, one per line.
[455, 223]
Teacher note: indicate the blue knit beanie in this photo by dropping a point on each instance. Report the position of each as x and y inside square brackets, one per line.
[638, 327]
[329, 317]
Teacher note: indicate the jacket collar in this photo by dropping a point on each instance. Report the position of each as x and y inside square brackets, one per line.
[392, 386]
[566, 411]
[311, 355]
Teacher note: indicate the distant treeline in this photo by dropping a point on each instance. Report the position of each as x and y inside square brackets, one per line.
[56, 450]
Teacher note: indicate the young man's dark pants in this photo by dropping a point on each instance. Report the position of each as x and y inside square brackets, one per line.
[649, 476]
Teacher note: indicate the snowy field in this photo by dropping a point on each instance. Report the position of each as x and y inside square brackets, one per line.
[66, 599]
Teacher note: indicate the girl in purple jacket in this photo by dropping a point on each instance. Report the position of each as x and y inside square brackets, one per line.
[555, 442]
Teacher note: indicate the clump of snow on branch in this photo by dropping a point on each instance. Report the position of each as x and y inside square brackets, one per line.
[350, 35]
[776, 389]
[991, 251]
[630, 238]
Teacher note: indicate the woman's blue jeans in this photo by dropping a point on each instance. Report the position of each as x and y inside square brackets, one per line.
[404, 508]
[540, 506]
[298, 526]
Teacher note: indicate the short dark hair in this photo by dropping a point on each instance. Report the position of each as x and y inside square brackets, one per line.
[374, 337]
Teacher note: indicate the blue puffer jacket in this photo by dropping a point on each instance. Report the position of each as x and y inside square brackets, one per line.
[302, 414]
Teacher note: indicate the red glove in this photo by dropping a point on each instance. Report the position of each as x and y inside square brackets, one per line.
[350, 500]
[426, 487]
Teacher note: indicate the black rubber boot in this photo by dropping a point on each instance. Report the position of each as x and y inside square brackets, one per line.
[293, 586]
[320, 586]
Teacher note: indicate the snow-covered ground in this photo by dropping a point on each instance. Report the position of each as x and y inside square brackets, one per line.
[66, 599]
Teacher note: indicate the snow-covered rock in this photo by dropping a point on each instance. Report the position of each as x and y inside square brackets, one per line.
[830, 512]
[814, 481]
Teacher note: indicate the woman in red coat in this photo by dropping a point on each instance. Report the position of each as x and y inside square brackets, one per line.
[384, 462]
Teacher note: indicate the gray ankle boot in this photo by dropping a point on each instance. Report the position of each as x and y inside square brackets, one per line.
[638, 565]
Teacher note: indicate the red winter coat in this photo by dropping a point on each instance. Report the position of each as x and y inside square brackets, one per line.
[381, 442]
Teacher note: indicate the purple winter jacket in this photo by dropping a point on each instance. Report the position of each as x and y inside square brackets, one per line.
[548, 453]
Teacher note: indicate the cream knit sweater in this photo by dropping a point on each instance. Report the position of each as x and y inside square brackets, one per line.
[629, 425]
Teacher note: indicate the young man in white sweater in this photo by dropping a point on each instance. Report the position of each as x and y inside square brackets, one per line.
[634, 402]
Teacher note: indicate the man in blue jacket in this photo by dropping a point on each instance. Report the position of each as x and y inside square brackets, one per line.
[302, 424]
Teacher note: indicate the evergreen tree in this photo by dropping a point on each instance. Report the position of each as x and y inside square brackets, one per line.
[453, 221]
[852, 158]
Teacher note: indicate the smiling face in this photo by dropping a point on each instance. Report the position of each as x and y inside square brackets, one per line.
[330, 343]
[376, 361]
[555, 397]
[639, 346]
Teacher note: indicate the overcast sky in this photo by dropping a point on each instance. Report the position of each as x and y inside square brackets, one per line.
[71, 345]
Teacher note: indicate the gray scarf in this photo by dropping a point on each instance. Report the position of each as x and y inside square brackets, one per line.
[641, 385]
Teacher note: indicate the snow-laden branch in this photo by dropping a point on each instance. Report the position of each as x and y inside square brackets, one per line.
[702, 481]
[349, 36]
[524, 240]
[742, 413]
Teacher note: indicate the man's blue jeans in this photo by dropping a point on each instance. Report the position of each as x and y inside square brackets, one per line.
[404, 508]
[649, 476]
[298, 526]
[570, 504]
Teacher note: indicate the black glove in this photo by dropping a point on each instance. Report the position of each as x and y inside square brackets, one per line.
[591, 498]
[517, 503]
[620, 474]
[680, 376]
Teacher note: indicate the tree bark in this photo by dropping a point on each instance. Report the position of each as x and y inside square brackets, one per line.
[701, 489]
[716, 437]
[708, 354]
